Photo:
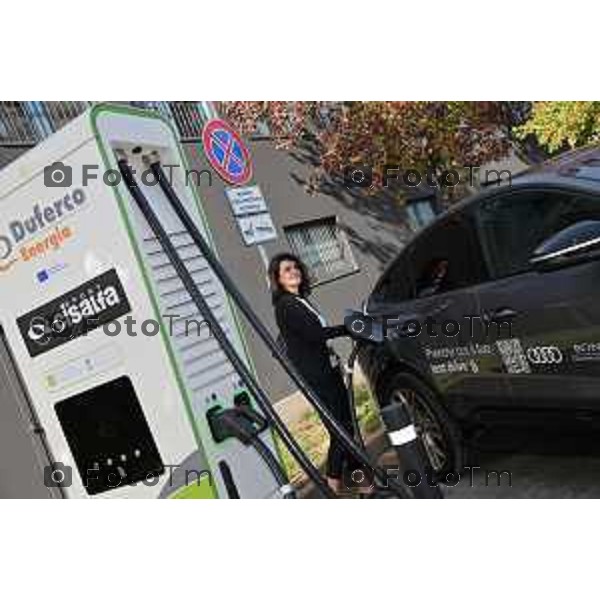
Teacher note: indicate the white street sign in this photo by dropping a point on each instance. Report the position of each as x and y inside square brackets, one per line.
[257, 229]
[246, 200]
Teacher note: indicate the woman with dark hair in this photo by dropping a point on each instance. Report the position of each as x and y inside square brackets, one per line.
[305, 333]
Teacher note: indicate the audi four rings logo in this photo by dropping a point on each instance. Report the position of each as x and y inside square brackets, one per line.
[544, 355]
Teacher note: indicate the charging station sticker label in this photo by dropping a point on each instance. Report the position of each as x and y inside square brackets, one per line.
[83, 309]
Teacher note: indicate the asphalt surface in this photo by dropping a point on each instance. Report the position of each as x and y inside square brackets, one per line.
[541, 466]
[531, 476]
[521, 465]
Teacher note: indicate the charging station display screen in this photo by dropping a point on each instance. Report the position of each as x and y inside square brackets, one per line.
[109, 437]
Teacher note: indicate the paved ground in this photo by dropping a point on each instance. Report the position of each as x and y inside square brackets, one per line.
[569, 467]
[549, 464]
[532, 476]
[560, 467]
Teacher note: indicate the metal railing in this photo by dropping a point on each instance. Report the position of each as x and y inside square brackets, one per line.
[24, 124]
[16, 126]
[60, 113]
[189, 119]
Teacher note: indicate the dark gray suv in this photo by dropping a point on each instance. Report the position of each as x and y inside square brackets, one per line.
[493, 311]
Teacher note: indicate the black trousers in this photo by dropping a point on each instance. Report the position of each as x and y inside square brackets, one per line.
[332, 391]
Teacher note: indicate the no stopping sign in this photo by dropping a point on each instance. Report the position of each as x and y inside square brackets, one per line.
[226, 152]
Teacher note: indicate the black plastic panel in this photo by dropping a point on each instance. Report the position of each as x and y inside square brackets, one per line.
[109, 437]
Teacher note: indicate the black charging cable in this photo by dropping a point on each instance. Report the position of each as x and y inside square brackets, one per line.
[350, 365]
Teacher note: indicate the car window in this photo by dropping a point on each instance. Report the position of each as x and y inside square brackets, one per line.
[396, 285]
[576, 208]
[448, 257]
[514, 225]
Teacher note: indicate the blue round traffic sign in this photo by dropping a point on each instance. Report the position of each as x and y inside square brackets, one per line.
[226, 152]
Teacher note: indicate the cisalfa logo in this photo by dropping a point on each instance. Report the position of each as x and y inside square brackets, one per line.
[87, 307]
[21, 230]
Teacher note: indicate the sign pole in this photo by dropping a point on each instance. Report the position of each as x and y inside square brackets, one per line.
[265, 260]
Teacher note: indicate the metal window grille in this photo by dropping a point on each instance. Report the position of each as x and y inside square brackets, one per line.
[420, 213]
[16, 126]
[60, 113]
[189, 119]
[27, 123]
[160, 107]
[323, 246]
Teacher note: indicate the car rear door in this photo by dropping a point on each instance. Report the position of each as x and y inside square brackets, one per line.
[551, 358]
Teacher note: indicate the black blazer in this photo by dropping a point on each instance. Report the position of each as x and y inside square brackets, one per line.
[305, 338]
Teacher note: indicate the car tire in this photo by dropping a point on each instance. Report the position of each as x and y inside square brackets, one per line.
[438, 431]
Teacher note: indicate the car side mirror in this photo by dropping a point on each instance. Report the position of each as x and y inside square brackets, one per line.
[577, 243]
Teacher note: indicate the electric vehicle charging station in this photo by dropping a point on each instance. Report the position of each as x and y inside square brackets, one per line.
[115, 409]
[130, 415]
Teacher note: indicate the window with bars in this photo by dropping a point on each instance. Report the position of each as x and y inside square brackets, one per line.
[262, 131]
[16, 125]
[323, 246]
[27, 123]
[420, 213]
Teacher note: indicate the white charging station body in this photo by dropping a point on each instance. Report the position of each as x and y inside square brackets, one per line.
[123, 412]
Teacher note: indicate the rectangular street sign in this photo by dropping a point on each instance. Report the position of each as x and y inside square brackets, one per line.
[246, 200]
[257, 229]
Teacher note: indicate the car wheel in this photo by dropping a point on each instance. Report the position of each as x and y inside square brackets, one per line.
[438, 432]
